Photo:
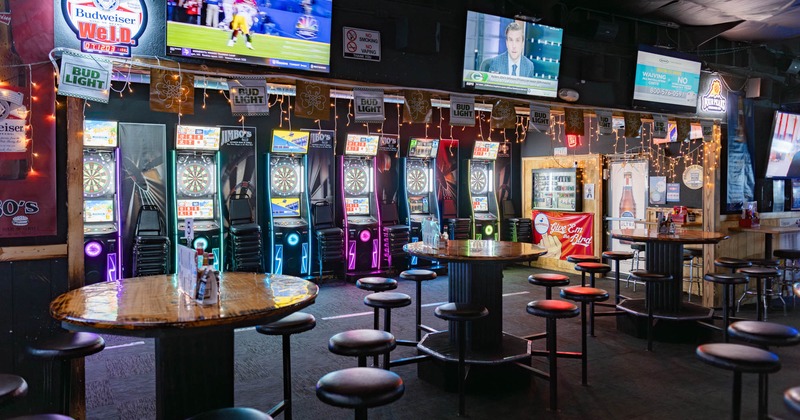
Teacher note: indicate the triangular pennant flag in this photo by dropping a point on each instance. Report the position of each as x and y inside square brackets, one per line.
[574, 121]
[171, 91]
[504, 115]
[633, 123]
[313, 101]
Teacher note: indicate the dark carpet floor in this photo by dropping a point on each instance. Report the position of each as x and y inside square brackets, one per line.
[625, 381]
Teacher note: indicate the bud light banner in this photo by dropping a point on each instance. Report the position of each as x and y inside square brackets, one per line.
[84, 77]
[249, 97]
[368, 104]
[563, 234]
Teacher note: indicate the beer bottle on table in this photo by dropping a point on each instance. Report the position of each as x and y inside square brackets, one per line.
[627, 205]
[14, 147]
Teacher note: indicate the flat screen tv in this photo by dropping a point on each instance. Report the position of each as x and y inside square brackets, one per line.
[666, 80]
[287, 34]
[506, 55]
[361, 145]
[784, 151]
[485, 150]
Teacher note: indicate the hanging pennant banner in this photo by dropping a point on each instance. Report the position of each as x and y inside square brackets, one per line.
[684, 127]
[368, 105]
[248, 97]
[312, 101]
[417, 106]
[540, 118]
[708, 130]
[605, 122]
[504, 115]
[84, 77]
[171, 91]
[574, 121]
[462, 110]
[633, 124]
[660, 126]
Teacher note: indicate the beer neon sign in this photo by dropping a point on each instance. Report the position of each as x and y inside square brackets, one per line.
[573, 140]
[713, 101]
[107, 27]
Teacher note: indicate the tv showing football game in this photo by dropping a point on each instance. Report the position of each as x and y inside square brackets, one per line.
[784, 151]
[666, 80]
[507, 55]
[291, 34]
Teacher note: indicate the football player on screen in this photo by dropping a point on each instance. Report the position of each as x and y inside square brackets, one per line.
[243, 13]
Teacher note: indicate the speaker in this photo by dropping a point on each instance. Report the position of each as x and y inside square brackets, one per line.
[600, 68]
[794, 66]
[759, 88]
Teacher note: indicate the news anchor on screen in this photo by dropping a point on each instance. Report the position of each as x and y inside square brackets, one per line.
[512, 62]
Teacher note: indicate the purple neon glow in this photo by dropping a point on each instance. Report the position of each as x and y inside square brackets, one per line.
[364, 235]
[351, 256]
[375, 254]
[93, 248]
[376, 261]
[111, 267]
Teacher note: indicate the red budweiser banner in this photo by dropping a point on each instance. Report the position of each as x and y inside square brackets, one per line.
[563, 234]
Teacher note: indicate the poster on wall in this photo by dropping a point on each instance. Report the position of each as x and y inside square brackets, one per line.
[237, 150]
[320, 165]
[741, 182]
[658, 190]
[627, 196]
[447, 177]
[502, 168]
[563, 234]
[387, 182]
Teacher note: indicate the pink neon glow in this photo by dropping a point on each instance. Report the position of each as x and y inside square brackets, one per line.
[364, 235]
[93, 249]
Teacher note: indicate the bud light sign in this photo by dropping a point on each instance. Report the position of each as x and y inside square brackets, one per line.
[107, 27]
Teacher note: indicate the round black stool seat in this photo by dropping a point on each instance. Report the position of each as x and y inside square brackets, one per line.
[579, 258]
[792, 399]
[733, 263]
[584, 294]
[43, 417]
[761, 272]
[764, 262]
[418, 275]
[694, 252]
[617, 255]
[361, 343]
[548, 279]
[553, 309]
[460, 311]
[232, 413]
[11, 387]
[376, 284]
[593, 267]
[739, 358]
[765, 333]
[792, 254]
[646, 276]
[68, 345]
[293, 324]
[726, 278]
[387, 300]
[638, 247]
[360, 388]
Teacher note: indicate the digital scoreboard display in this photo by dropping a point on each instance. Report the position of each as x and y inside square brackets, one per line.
[423, 148]
[197, 138]
[480, 203]
[97, 211]
[361, 145]
[356, 205]
[196, 209]
[485, 150]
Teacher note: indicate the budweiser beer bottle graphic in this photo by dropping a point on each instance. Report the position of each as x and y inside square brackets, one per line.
[627, 205]
[15, 150]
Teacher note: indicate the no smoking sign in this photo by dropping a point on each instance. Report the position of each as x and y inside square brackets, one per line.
[361, 44]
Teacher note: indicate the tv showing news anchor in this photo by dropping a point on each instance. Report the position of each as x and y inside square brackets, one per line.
[507, 55]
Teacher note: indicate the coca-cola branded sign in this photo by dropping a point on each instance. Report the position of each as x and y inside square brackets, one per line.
[563, 234]
[106, 27]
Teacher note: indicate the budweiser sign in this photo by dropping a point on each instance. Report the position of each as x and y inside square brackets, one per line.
[108, 27]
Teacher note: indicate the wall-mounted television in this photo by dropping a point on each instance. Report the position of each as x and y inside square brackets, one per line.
[287, 34]
[666, 80]
[784, 151]
[361, 145]
[485, 150]
[506, 55]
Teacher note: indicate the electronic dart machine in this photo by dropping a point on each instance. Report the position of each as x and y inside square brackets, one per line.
[419, 190]
[288, 204]
[484, 209]
[101, 218]
[360, 204]
[195, 164]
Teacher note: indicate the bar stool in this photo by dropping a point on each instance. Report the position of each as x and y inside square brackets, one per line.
[376, 284]
[360, 388]
[579, 258]
[694, 254]
[64, 347]
[549, 281]
[584, 295]
[361, 344]
[740, 359]
[764, 335]
[728, 282]
[295, 323]
[419, 275]
[637, 249]
[790, 267]
[650, 280]
[593, 268]
[388, 301]
[765, 262]
[792, 399]
[763, 275]
[232, 413]
[617, 256]
[461, 313]
[552, 310]
[732, 263]
[11, 388]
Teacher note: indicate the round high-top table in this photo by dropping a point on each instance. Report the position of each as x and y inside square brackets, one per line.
[475, 273]
[665, 256]
[194, 343]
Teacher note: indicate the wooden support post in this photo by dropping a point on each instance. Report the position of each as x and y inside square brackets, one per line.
[711, 210]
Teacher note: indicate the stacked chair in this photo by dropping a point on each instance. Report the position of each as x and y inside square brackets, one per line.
[245, 237]
[328, 238]
[151, 244]
[515, 229]
[458, 228]
[395, 235]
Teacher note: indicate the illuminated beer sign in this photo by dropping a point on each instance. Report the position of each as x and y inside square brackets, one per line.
[107, 27]
[713, 101]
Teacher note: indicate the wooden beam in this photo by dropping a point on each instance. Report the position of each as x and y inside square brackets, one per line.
[711, 211]
[29, 253]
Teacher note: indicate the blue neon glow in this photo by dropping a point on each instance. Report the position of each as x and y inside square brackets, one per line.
[293, 239]
[304, 265]
[278, 263]
[200, 242]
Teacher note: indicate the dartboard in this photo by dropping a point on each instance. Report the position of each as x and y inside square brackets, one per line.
[478, 181]
[416, 180]
[96, 178]
[194, 180]
[284, 180]
[355, 180]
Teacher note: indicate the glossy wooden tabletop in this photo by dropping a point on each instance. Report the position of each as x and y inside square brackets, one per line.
[776, 230]
[685, 236]
[154, 302]
[474, 250]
